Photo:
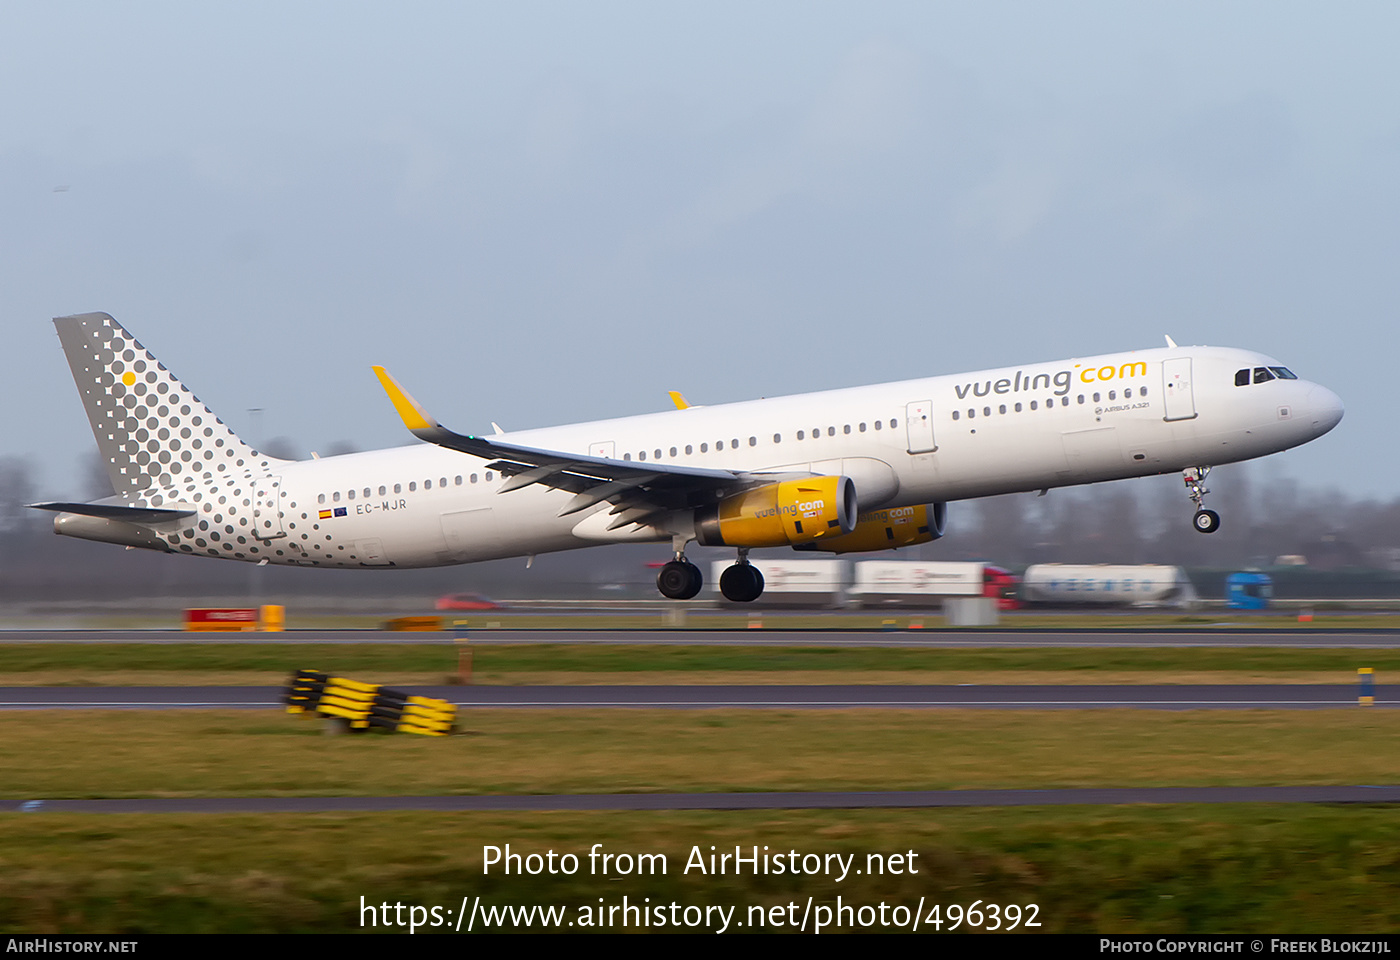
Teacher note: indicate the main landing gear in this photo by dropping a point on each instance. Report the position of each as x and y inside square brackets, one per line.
[743, 582]
[681, 580]
[1205, 521]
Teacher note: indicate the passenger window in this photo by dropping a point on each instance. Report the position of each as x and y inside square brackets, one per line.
[398, 488]
[971, 413]
[955, 414]
[1033, 405]
[383, 489]
[879, 424]
[673, 451]
[689, 449]
[427, 484]
[862, 428]
[412, 486]
[1018, 408]
[1113, 394]
[801, 435]
[777, 438]
[320, 498]
[704, 448]
[642, 455]
[657, 456]
[831, 431]
[1002, 409]
[1242, 378]
[336, 496]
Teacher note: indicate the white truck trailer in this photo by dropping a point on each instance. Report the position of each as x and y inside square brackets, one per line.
[1103, 584]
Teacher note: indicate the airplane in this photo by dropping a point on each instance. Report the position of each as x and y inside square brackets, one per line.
[847, 470]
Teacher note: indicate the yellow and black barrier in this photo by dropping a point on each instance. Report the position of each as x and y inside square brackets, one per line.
[368, 706]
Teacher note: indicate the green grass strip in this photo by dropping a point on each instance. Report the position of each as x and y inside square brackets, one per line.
[1167, 869]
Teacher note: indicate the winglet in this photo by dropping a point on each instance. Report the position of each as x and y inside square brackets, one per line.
[413, 415]
[678, 400]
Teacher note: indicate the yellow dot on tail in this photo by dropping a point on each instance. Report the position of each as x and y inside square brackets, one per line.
[128, 378]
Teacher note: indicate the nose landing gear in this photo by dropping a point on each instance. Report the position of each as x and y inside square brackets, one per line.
[1205, 521]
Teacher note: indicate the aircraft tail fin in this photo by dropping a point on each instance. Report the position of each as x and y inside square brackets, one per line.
[150, 429]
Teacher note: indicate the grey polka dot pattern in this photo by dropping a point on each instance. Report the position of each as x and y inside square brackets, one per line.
[153, 433]
[164, 448]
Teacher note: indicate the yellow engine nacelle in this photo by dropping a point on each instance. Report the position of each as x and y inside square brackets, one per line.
[888, 529]
[779, 514]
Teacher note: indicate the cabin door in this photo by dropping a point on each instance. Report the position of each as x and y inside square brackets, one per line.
[267, 515]
[1176, 387]
[918, 417]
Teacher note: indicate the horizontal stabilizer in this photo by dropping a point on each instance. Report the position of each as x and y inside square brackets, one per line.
[112, 511]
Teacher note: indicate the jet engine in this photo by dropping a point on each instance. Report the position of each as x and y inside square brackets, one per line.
[887, 529]
[779, 514]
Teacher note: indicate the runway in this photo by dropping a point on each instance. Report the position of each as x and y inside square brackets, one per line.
[894, 799]
[754, 697]
[1207, 635]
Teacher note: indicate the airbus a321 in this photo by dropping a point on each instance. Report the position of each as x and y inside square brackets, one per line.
[858, 469]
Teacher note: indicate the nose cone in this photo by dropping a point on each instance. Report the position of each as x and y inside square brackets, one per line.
[1324, 409]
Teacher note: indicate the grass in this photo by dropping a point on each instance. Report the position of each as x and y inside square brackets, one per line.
[1139, 869]
[246, 753]
[222, 662]
[1142, 869]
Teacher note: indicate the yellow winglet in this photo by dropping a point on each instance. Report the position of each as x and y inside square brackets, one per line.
[678, 400]
[413, 415]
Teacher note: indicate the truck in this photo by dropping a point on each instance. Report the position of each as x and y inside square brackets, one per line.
[1106, 584]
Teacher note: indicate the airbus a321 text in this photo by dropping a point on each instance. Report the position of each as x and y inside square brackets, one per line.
[858, 469]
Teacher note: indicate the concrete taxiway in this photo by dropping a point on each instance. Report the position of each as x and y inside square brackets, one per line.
[1209, 635]
[816, 800]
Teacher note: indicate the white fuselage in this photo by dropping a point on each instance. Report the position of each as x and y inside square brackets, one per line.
[913, 442]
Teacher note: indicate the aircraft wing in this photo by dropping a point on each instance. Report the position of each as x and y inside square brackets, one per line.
[636, 489]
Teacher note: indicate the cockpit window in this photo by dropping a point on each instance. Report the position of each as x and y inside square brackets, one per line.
[1262, 375]
[1283, 373]
[1242, 377]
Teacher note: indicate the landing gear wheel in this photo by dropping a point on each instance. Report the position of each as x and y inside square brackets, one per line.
[1206, 521]
[679, 580]
[741, 583]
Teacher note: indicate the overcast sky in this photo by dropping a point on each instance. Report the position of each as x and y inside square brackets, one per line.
[538, 213]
